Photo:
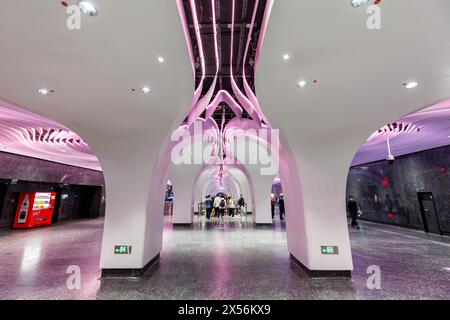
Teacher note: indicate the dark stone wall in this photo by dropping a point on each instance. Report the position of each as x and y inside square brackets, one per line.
[31, 169]
[388, 193]
[80, 191]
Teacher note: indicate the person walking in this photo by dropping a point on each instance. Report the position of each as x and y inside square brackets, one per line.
[272, 206]
[241, 204]
[281, 206]
[352, 208]
[222, 206]
[216, 203]
[231, 206]
[208, 206]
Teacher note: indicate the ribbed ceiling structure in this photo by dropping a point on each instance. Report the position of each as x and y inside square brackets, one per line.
[224, 41]
[27, 134]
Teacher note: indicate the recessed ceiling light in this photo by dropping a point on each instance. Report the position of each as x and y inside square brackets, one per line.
[146, 90]
[286, 57]
[161, 59]
[302, 84]
[411, 84]
[87, 8]
[359, 3]
[65, 151]
[45, 92]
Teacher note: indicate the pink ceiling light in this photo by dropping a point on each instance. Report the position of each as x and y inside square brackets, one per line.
[246, 98]
[425, 129]
[24, 133]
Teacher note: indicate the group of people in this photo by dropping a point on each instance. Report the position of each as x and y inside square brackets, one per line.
[221, 204]
[280, 201]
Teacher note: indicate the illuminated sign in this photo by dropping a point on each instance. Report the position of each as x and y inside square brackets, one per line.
[329, 249]
[122, 249]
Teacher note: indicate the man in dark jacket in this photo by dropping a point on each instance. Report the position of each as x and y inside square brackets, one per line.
[272, 206]
[208, 207]
[281, 207]
[352, 208]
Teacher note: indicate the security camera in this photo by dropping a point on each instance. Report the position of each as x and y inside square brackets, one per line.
[390, 159]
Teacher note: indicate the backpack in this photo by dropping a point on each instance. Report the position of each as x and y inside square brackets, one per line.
[222, 203]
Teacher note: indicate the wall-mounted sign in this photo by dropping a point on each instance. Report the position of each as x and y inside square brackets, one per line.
[329, 249]
[122, 249]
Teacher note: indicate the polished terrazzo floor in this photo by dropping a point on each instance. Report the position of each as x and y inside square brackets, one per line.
[233, 260]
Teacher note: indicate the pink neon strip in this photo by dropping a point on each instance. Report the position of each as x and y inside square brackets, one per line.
[187, 36]
[250, 94]
[246, 104]
[224, 96]
[197, 110]
[264, 24]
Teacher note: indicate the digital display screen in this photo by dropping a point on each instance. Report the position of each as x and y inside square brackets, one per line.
[42, 201]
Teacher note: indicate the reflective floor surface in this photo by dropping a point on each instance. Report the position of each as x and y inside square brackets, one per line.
[233, 260]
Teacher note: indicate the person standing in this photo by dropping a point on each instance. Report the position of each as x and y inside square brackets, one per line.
[208, 206]
[352, 208]
[241, 204]
[281, 206]
[217, 200]
[272, 206]
[231, 206]
[222, 206]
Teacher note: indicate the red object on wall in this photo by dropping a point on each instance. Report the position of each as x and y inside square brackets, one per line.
[34, 209]
[390, 216]
[443, 170]
[385, 181]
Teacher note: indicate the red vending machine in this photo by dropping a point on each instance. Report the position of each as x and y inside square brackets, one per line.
[34, 209]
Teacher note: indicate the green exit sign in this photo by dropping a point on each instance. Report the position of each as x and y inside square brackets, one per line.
[122, 249]
[329, 249]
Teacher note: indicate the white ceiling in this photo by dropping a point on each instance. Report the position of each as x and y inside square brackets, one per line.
[94, 69]
[359, 72]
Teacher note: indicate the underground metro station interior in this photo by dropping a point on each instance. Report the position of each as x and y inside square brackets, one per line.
[214, 150]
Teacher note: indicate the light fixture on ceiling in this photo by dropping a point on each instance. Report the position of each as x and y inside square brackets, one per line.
[45, 92]
[302, 84]
[286, 57]
[359, 3]
[411, 84]
[161, 59]
[87, 8]
[146, 90]
[64, 151]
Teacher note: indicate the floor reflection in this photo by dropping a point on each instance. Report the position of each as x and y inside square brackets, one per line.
[230, 259]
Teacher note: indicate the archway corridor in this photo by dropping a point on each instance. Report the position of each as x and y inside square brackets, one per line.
[224, 150]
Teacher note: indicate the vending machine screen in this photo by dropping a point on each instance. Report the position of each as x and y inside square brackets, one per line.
[42, 201]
